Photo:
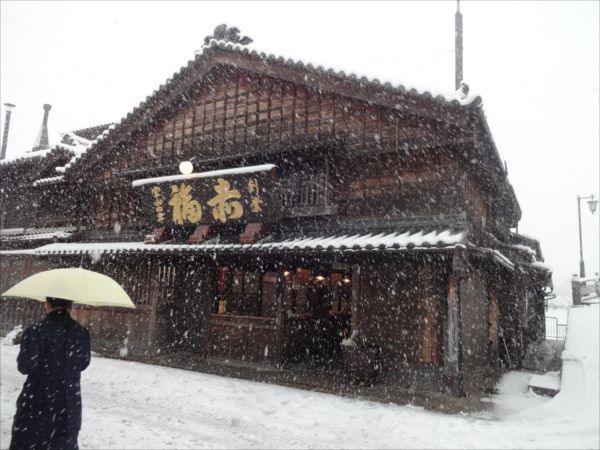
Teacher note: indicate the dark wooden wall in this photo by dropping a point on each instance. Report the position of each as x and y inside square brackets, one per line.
[382, 162]
[402, 308]
[480, 371]
[15, 311]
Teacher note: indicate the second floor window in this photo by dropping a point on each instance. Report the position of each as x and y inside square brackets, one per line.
[306, 188]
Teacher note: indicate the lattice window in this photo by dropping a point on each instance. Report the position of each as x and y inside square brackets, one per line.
[307, 189]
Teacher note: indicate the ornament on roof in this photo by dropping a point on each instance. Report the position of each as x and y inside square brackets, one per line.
[463, 90]
[228, 34]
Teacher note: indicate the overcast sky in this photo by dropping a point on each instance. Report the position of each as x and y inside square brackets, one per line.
[535, 64]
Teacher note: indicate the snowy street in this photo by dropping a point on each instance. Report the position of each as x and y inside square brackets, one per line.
[130, 405]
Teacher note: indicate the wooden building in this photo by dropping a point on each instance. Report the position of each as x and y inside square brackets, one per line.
[331, 223]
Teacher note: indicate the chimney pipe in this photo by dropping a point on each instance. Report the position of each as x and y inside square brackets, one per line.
[9, 107]
[41, 143]
[458, 47]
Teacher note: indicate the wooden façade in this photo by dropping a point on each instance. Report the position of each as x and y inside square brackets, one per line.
[332, 225]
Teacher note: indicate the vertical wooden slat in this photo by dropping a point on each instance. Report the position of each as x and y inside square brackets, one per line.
[235, 106]
[224, 123]
[356, 293]
[295, 93]
[269, 99]
[248, 86]
[213, 121]
[281, 101]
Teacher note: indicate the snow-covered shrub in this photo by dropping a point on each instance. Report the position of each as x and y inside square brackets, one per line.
[539, 356]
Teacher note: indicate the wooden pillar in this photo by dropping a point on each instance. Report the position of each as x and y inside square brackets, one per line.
[151, 282]
[208, 288]
[356, 276]
[493, 321]
[451, 338]
[280, 316]
[453, 341]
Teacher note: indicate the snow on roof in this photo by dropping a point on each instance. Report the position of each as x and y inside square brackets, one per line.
[26, 156]
[70, 140]
[40, 236]
[540, 265]
[441, 239]
[524, 248]
[208, 174]
[82, 149]
[11, 231]
[49, 180]
[26, 234]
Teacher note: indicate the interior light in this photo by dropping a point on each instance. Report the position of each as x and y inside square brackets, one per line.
[186, 167]
[319, 278]
[286, 273]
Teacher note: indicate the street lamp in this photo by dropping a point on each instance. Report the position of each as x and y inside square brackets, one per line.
[592, 205]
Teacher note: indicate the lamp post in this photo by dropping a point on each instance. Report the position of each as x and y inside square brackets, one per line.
[592, 205]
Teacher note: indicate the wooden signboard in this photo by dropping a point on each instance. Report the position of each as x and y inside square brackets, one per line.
[217, 197]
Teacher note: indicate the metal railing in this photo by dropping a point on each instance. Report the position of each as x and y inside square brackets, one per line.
[555, 330]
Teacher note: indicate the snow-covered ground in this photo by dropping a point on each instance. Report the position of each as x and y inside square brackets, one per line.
[130, 405]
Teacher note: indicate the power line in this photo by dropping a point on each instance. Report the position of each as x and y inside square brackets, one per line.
[400, 58]
[430, 62]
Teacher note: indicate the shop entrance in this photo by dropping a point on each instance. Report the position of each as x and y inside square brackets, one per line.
[318, 310]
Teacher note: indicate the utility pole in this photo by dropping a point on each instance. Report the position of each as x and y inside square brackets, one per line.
[592, 204]
[458, 47]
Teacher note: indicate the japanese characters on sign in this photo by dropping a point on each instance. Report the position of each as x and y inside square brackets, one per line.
[158, 204]
[220, 200]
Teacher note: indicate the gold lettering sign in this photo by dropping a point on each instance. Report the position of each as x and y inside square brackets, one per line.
[244, 197]
[223, 208]
[184, 208]
[158, 202]
[255, 201]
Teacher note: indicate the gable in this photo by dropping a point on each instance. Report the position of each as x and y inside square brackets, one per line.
[233, 113]
[443, 110]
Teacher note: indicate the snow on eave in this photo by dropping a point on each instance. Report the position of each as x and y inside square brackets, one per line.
[11, 231]
[541, 266]
[524, 248]
[48, 180]
[443, 239]
[27, 156]
[92, 145]
[81, 145]
[18, 252]
[211, 173]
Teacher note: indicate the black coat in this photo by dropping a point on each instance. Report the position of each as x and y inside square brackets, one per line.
[53, 353]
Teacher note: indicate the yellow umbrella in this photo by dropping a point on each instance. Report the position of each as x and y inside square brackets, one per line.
[75, 284]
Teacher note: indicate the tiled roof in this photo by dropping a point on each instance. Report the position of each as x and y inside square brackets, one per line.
[34, 234]
[75, 141]
[439, 239]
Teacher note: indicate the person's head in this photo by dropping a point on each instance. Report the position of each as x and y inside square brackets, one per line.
[53, 304]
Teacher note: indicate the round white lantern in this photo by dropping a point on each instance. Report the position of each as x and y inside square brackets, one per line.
[186, 167]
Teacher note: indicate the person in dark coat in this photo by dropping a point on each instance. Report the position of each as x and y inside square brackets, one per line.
[53, 353]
